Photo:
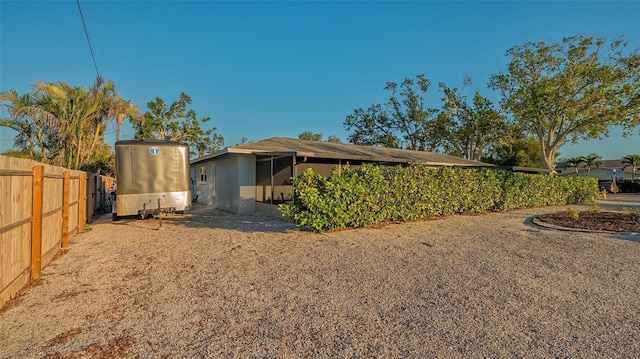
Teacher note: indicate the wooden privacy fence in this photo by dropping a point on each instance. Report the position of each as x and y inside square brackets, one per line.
[41, 208]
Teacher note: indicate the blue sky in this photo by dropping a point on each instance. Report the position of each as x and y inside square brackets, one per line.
[264, 69]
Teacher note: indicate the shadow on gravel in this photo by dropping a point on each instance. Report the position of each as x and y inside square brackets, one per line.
[244, 223]
[207, 217]
[627, 237]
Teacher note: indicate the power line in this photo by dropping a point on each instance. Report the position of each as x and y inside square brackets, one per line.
[89, 41]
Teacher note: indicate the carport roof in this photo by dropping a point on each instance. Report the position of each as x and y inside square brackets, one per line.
[332, 150]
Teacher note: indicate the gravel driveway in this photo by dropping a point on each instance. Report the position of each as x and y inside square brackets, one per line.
[212, 284]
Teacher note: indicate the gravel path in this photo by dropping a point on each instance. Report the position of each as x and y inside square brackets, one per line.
[218, 285]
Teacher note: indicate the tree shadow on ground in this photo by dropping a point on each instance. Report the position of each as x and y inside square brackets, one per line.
[213, 218]
[201, 216]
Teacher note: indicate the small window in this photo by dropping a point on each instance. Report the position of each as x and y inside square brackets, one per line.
[203, 174]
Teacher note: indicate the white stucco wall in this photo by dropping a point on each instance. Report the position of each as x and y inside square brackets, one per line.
[230, 184]
[205, 190]
[247, 184]
[227, 183]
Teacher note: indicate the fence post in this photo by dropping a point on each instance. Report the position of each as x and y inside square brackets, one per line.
[82, 202]
[65, 208]
[36, 218]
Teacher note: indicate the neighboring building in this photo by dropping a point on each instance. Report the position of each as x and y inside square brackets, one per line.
[251, 177]
[603, 173]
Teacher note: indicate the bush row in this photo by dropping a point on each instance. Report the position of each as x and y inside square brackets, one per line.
[371, 194]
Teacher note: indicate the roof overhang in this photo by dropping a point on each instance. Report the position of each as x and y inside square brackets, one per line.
[342, 152]
[345, 157]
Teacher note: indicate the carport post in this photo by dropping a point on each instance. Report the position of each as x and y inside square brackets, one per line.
[272, 192]
[293, 175]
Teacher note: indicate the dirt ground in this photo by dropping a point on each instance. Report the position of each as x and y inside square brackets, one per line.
[213, 284]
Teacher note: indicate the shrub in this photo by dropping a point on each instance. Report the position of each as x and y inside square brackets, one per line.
[372, 194]
[634, 213]
[573, 213]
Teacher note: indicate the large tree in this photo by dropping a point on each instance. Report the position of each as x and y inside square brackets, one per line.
[175, 123]
[471, 131]
[515, 151]
[575, 89]
[403, 122]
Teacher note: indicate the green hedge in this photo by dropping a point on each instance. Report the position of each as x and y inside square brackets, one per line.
[371, 194]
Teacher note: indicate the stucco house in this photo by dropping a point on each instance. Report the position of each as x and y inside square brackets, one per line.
[254, 176]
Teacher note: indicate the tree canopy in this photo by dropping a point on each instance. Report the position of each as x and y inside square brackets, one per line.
[61, 124]
[312, 136]
[403, 122]
[515, 151]
[575, 89]
[470, 131]
[175, 122]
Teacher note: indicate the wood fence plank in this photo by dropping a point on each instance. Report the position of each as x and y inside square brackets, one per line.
[36, 226]
[66, 189]
[32, 202]
[82, 202]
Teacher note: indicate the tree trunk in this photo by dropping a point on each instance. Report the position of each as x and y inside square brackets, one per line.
[96, 136]
[547, 155]
[549, 164]
[119, 121]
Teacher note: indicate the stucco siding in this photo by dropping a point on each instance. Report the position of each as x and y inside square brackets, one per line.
[228, 190]
[205, 187]
[230, 183]
[247, 184]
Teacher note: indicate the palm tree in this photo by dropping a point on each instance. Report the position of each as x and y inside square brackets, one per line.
[633, 161]
[591, 161]
[573, 162]
[62, 124]
[111, 106]
[123, 109]
[73, 111]
[25, 141]
[26, 119]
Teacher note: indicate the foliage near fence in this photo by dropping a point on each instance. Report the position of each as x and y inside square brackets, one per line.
[41, 208]
[371, 194]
